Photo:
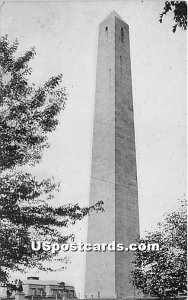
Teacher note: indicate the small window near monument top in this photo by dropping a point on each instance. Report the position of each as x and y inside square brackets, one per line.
[122, 34]
[106, 31]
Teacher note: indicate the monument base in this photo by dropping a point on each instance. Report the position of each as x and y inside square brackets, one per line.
[100, 297]
[111, 298]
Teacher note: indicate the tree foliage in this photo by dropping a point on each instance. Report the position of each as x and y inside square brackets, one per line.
[179, 9]
[163, 273]
[27, 114]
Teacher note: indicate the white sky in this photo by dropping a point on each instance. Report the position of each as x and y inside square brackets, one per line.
[65, 37]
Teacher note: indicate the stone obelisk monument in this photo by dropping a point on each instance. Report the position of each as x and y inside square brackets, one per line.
[113, 171]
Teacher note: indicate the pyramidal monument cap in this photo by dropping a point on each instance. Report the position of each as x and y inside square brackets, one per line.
[114, 14]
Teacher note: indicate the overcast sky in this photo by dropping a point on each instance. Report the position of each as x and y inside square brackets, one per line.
[65, 37]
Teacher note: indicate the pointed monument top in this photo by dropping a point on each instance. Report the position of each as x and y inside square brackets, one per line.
[114, 14]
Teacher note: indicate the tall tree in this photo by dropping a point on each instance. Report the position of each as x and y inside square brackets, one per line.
[179, 10]
[163, 273]
[27, 114]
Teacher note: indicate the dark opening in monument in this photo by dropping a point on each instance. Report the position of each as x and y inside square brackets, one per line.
[106, 31]
[122, 34]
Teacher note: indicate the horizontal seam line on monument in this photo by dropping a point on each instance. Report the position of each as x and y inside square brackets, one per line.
[109, 182]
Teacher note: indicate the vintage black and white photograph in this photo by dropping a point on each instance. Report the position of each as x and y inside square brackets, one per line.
[93, 150]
